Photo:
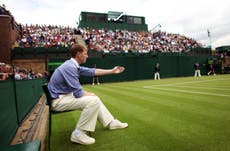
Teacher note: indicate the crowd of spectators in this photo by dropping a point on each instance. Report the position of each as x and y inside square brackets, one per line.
[45, 36]
[8, 71]
[104, 40]
[142, 41]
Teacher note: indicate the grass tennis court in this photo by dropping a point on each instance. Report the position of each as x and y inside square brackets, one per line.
[174, 114]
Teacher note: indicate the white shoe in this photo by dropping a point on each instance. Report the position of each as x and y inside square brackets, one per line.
[82, 138]
[116, 124]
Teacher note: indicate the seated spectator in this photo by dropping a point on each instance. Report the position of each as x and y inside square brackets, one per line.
[3, 76]
[21, 75]
[5, 71]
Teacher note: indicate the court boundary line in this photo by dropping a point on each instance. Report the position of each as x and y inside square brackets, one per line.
[185, 91]
[173, 84]
[193, 92]
[213, 88]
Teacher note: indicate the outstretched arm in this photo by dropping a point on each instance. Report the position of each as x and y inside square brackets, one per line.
[115, 70]
[86, 93]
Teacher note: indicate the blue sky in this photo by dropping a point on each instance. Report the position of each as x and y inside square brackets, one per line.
[191, 18]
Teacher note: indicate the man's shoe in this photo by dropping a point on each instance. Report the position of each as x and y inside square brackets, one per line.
[82, 138]
[116, 124]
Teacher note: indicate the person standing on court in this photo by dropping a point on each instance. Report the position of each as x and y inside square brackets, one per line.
[211, 70]
[197, 70]
[68, 94]
[95, 78]
[157, 72]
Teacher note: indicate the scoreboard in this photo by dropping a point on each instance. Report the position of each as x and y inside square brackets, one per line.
[112, 20]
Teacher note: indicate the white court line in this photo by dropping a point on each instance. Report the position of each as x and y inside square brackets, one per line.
[194, 92]
[185, 91]
[173, 84]
[213, 88]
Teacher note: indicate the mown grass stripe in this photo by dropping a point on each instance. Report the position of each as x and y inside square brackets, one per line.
[168, 104]
[202, 87]
[194, 92]
[169, 122]
[159, 120]
[194, 81]
[199, 100]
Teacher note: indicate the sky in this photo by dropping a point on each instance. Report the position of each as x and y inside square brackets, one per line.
[192, 18]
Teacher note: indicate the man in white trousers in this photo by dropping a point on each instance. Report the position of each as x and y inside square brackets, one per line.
[67, 94]
[197, 70]
[157, 72]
